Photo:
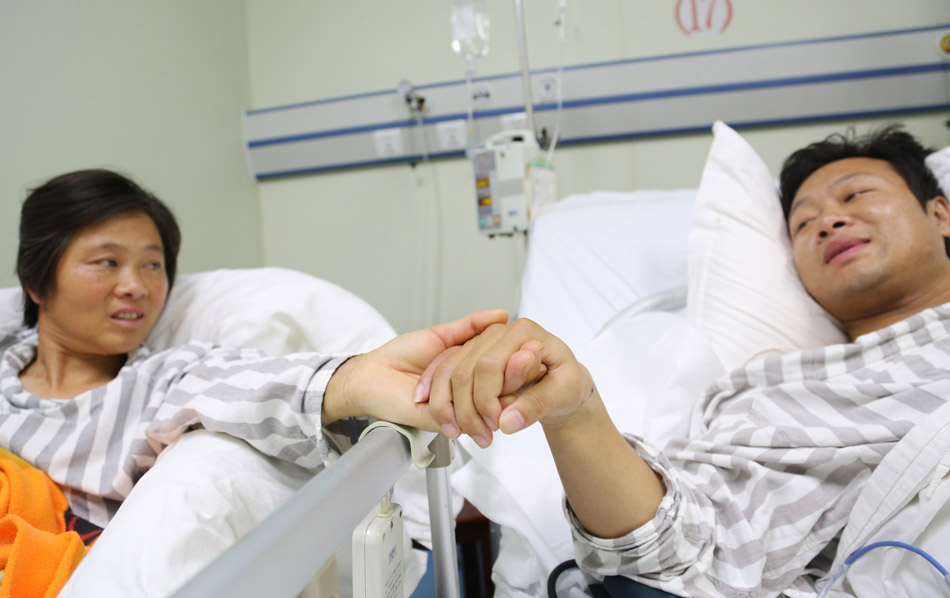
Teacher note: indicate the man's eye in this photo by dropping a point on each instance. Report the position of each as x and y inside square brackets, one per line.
[853, 195]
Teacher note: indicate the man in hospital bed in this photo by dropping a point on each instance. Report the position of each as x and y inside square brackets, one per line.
[753, 502]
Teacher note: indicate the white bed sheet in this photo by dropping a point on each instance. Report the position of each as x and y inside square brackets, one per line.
[590, 256]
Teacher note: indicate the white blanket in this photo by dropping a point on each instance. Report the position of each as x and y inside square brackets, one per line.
[208, 490]
[907, 499]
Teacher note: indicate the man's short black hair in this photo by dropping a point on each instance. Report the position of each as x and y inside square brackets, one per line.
[891, 144]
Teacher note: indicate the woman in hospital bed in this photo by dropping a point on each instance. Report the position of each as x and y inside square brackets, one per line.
[85, 402]
[754, 501]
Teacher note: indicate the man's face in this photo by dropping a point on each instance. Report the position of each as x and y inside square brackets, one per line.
[862, 243]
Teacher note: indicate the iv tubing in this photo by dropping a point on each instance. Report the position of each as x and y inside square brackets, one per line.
[859, 553]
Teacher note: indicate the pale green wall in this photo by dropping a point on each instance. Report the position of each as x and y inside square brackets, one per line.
[375, 230]
[156, 89]
[153, 89]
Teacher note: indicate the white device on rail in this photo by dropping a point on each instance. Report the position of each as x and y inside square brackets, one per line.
[377, 553]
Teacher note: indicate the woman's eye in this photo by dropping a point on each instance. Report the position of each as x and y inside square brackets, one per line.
[156, 266]
[107, 262]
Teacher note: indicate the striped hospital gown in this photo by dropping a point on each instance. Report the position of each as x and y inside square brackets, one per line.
[778, 452]
[97, 445]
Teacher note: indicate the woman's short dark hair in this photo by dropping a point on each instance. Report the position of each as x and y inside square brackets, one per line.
[56, 211]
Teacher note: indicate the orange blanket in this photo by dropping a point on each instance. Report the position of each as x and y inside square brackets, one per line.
[37, 554]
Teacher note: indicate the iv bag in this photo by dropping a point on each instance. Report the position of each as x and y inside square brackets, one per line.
[470, 28]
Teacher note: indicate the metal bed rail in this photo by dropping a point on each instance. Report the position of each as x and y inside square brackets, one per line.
[282, 555]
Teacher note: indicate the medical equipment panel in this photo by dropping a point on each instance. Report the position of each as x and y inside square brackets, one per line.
[872, 74]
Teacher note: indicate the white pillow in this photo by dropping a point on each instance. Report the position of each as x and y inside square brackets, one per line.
[744, 293]
[593, 254]
[11, 310]
[275, 310]
[939, 164]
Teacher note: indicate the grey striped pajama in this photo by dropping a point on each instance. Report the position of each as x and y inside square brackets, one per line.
[777, 454]
[97, 445]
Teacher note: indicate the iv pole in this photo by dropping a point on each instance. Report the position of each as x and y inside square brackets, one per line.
[525, 72]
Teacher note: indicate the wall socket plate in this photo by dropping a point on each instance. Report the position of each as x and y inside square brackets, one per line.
[512, 122]
[452, 134]
[389, 143]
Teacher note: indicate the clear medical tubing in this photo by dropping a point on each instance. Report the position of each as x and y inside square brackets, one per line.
[859, 553]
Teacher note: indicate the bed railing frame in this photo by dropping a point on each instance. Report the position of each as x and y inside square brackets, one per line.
[281, 556]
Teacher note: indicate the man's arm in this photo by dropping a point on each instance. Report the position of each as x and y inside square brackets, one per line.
[512, 376]
[611, 490]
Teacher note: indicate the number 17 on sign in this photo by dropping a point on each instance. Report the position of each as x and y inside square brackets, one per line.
[703, 17]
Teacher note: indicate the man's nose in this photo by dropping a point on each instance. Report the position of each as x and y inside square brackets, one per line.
[829, 222]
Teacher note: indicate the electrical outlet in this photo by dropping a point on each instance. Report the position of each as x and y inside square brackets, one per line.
[388, 142]
[452, 134]
[513, 122]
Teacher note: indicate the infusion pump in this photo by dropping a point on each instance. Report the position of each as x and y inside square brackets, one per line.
[510, 182]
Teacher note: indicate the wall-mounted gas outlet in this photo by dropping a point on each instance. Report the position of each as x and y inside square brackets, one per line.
[547, 87]
[943, 45]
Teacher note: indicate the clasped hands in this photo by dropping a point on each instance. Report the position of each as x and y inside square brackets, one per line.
[473, 376]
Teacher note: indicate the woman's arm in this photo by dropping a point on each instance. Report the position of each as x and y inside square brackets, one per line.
[381, 383]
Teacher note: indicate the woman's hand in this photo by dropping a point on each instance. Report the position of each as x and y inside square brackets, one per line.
[381, 383]
[506, 378]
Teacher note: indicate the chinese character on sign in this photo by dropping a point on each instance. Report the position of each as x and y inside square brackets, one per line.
[703, 17]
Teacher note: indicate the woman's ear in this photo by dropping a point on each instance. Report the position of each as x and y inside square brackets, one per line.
[35, 297]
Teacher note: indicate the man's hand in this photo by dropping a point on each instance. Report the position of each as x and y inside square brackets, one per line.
[506, 378]
[381, 383]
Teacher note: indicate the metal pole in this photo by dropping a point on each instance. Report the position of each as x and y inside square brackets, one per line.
[288, 548]
[444, 556]
[525, 73]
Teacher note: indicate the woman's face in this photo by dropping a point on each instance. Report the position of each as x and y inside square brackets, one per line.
[109, 290]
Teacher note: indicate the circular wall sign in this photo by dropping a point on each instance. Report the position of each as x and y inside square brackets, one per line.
[703, 17]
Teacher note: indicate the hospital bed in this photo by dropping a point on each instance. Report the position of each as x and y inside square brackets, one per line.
[594, 262]
[608, 272]
[207, 491]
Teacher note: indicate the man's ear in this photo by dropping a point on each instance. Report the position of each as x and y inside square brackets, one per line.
[939, 208]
